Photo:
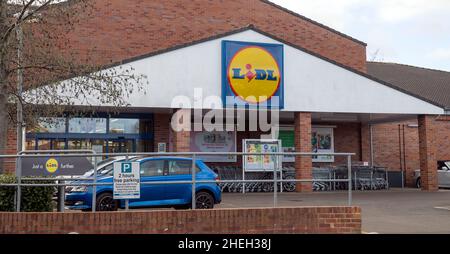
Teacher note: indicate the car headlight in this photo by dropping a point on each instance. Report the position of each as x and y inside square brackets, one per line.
[79, 189]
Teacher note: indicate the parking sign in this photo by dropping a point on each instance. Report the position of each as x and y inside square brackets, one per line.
[127, 180]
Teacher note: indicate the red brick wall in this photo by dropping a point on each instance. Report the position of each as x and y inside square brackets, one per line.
[224, 221]
[386, 145]
[181, 138]
[9, 165]
[347, 139]
[161, 130]
[442, 126]
[365, 142]
[123, 29]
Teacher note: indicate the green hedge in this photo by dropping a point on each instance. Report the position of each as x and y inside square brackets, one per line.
[34, 199]
[7, 193]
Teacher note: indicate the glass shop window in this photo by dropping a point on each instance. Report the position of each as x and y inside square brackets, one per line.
[87, 125]
[123, 125]
[50, 125]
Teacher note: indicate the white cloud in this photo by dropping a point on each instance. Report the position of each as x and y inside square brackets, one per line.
[401, 10]
[330, 13]
[336, 13]
[404, 31]
[440, 54]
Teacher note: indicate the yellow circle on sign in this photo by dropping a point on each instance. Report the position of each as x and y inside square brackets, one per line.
[51, 165]
[254, 74]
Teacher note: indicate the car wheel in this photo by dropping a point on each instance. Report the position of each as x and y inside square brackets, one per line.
[418, 184]
[106, 202]
[204, 200]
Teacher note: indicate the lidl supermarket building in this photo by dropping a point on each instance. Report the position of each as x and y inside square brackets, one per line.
[193, 51]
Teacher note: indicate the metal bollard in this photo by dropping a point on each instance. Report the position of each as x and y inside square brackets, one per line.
[127, 201]
[349, 168]
[94, 187]
[61, 198]
[275, 187]
[193, 181]
[19, 182]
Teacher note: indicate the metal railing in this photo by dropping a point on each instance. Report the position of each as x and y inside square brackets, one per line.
[193, 155]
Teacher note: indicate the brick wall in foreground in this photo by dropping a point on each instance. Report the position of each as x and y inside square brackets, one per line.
[227, 221]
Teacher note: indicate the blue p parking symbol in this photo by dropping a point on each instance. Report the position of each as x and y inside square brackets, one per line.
[126, 168]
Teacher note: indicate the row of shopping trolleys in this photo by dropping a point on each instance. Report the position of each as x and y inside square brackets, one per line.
[363, 178]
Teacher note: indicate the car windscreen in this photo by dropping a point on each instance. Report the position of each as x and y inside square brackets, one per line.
[106, 167]
[100, 165]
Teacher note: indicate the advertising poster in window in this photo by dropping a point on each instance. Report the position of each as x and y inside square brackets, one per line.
[215, 141]
[261, 162]
[322, 141]
[287, 143]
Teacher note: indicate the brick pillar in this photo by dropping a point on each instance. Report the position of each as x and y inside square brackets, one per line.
[427, 153]
[303, 164]
[161, 130]
[181, 124]
[9, 165]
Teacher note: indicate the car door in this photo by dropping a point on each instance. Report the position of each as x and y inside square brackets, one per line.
[179, 170]
[153, 170]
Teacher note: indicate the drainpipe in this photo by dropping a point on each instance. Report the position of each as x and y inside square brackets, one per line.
[371, 144]
[400, 148]
[405, 168]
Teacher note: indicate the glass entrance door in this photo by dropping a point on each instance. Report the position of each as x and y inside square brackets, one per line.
[46, 144]
[121, 146]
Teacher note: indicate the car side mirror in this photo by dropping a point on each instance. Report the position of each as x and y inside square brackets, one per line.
[444, 168]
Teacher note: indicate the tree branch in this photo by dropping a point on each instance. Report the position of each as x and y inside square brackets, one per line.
[21, 17]
[31, 14]
[47, 68]
[15, 24]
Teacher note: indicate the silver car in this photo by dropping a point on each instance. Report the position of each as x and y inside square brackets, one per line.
[443, 175]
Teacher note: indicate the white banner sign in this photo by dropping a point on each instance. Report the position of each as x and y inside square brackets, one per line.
[214, 141]
[127, 178]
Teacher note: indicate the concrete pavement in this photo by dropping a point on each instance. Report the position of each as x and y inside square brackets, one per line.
[393, 211]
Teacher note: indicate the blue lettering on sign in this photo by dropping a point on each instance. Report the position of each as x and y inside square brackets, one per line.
[270, 76]
[126, 168]
[260, 74]
[237, 74]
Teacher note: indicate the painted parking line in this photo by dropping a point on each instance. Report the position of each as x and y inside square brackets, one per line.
[442, 207]
[370, 233]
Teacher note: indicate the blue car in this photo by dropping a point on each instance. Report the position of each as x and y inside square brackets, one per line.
[154, 169]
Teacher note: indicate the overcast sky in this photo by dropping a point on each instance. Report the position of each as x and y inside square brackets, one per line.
[414, 32]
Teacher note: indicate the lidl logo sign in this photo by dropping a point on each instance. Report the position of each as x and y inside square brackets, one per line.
[51, 165]
[252, 74]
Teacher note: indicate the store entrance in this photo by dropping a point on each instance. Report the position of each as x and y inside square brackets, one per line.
[98, 145]
[121, 146]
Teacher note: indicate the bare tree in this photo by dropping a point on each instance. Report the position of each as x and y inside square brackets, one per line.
[35, 50]
[376, 56]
